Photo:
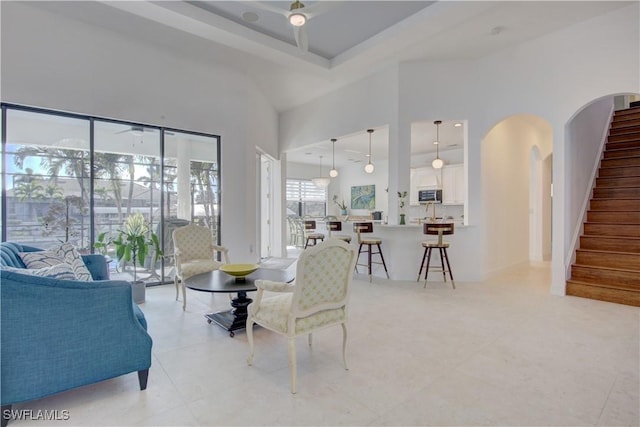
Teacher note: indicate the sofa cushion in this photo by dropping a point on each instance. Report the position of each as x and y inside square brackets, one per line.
[40, 259]
[72, 257]
[59, 271]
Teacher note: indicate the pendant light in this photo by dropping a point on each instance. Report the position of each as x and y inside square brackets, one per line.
[321, 181]
[437, 163]
[333, 172]
[368, 168]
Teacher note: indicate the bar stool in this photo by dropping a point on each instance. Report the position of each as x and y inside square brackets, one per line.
[309, 228]
[439, 230]
[367, 227]
[337, 226]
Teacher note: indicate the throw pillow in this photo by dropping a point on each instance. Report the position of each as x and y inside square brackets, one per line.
[60, 271]
[40, 259]
[72, 257]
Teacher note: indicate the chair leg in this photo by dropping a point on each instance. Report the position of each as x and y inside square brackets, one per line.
[250, 340]
[344, 346]
[358, 259]
[292, 363]
[310, 339]
[142, 378]
[446, 257]
[422, 264]
[426, 271]
[369, 261]
[444, 272]
[184, 296]
[382, 258]
[175, 280]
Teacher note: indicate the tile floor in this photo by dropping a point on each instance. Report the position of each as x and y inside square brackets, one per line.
[500, 352]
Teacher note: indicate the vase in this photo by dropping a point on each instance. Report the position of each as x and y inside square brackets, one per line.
[402, 219]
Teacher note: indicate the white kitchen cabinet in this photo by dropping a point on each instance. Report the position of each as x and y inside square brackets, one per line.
[453, 185]
[425, 178]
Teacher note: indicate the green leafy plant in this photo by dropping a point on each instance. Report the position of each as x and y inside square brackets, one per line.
[342, 205]
[402, 195]
[132, 243]
[102, 243]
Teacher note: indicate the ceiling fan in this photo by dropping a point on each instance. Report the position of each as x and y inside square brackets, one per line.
[298, 15]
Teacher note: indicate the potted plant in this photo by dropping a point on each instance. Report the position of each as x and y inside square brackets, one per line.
[342, 205]
[132, 245]
[402, 196]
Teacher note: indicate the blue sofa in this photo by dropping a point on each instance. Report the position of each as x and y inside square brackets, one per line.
[61, 334]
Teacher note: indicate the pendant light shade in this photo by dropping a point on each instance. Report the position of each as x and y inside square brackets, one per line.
[321, 181]
[437, 163]
[368, 168]
[333, 172]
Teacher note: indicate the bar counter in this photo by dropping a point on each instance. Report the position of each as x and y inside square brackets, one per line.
[402, 249]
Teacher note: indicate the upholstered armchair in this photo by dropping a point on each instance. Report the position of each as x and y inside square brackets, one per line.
[194, 253]
[318, 299]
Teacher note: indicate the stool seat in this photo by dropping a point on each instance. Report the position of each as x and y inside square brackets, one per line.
[315, 236]
[371, 240]
[435, 245]
[342, 237]
[438, 229]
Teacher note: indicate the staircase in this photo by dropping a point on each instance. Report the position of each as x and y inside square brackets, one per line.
[607, 265]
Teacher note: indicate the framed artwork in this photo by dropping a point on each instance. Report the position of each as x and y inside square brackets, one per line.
[363, 197]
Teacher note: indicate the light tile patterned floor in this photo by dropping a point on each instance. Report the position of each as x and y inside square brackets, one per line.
[500, 352]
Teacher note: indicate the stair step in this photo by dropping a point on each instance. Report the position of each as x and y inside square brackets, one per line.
[603, 293]
[610, 277]
[619, 137]
[620, 119]
[623, 152]
[617, 217]
[622, 171]
[621, 260]
[621, 143]
[614, 205]
[616, 163]
[616, 193]
[604, 229]
[618, 181]
[617, 131]
[627, 112]
[607, 243]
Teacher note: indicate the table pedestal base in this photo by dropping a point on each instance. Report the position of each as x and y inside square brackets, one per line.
[235, 319]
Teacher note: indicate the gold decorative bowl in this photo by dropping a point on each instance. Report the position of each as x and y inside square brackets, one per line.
[239, 271]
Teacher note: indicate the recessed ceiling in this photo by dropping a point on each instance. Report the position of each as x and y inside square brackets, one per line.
[350, 40]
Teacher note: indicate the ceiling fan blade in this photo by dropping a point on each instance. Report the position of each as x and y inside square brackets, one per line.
[300, 34]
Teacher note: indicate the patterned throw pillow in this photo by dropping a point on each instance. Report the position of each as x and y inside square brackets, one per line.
[40, 259]
[72, 257]
[60, 271]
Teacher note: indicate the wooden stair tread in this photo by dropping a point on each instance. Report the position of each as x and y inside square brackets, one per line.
[602, 251]
[606, 285]
[594, 267]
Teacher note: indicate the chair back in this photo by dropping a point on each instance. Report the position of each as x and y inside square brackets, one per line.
[333, 226]
[323, 277]
[193, 242]
[438, 229]
[362, 227]
[309, 225]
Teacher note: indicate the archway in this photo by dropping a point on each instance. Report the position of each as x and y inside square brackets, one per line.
[516, 177]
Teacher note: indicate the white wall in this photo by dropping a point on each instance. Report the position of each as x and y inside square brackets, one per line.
[53, 62]
[586, 134]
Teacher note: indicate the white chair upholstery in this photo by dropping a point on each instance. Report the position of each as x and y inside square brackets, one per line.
[317, 299]
[194, 253]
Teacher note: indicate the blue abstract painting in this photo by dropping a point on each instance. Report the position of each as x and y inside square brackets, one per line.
[363, 197]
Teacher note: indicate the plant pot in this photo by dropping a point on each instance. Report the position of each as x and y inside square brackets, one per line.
[343, 211]
[138, 291]
[402, 219]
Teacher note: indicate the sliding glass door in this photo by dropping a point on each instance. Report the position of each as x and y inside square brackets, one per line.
[79, 179]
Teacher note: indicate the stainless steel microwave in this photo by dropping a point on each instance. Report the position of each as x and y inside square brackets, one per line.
[425, 196]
